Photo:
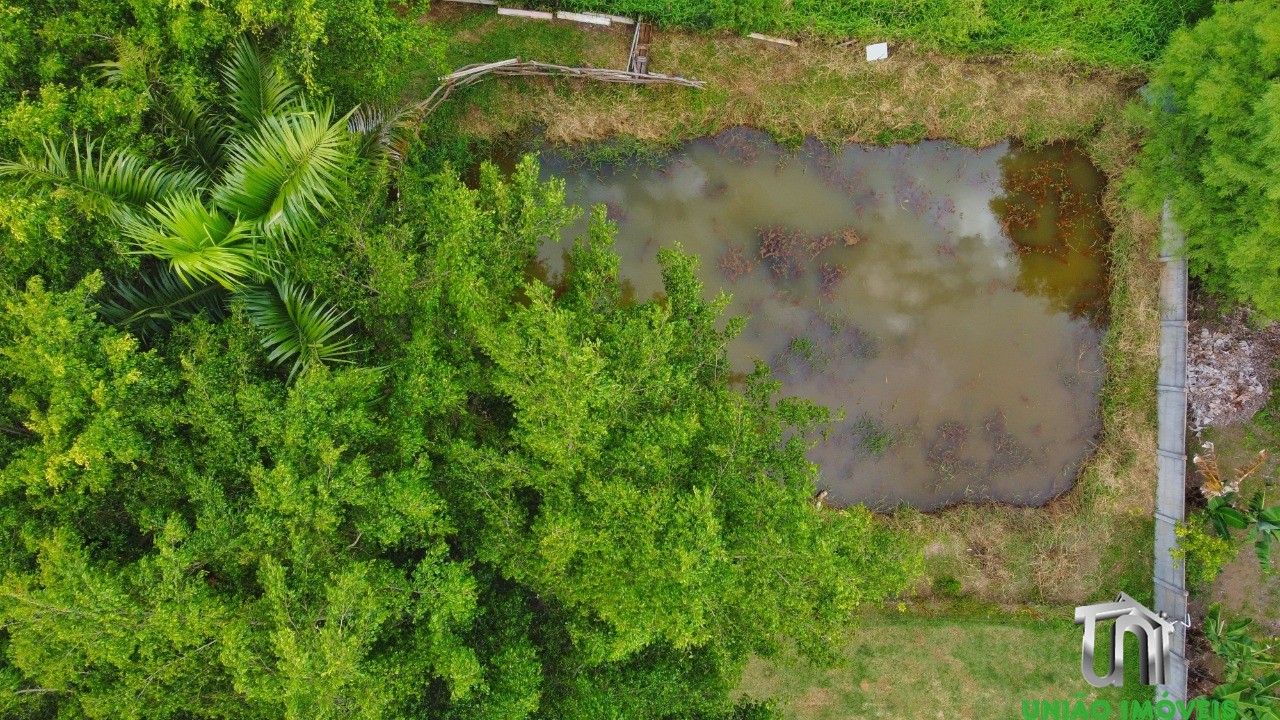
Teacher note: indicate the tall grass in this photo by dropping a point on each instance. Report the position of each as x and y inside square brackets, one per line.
[1122, 33]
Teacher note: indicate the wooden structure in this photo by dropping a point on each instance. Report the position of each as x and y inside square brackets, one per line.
[515, 67]
[527, 14]
[638, 59]
[774, 40]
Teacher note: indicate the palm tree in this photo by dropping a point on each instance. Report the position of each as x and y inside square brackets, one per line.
[244, 183]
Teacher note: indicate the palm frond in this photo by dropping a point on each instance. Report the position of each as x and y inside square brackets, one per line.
[383, 134]
[157, 300]
[284, 174]
[113, 71]
[296, 326]
[201, 245]
[197, 132]
[112, 182]
[256, 90]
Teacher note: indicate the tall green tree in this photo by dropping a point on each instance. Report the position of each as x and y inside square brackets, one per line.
[1213, 148]
[540, 504]
[244, 184]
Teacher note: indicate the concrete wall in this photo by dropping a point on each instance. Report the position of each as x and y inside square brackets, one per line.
[1170, 576]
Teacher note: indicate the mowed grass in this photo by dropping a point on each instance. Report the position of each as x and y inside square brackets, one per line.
[923, 668]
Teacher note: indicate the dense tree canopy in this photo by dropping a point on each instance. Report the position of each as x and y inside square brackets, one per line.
[518, 500]
[1213, 119]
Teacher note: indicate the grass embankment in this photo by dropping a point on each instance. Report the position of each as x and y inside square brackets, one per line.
[919, 667]
[815, 90]
[1026, 562]
[1118, 32]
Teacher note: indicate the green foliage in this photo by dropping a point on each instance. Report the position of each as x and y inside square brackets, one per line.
[227, 220]
[201, 244]
[1250, 675]
[948, 586]
[1119, 33]
[111, 183]
[1261, 522]
[1213, 120]
[1202, 550]
[1264, 528]
[539, 505]
[142, 78]
[150, 306]
[1223, 516]
[297, 326]
[874, 437]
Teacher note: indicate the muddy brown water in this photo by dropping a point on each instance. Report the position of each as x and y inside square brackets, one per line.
[948, 300]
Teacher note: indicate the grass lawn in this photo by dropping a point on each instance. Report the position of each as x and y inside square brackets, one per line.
[939, 668]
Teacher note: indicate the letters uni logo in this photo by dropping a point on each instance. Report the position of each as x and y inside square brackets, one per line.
[1154, 633]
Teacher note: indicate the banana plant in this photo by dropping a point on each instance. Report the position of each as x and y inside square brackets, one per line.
[1249, 665]
[1241, 654]
[1264, 529]
[244, 183]
[1224, 517]
[1257, 698]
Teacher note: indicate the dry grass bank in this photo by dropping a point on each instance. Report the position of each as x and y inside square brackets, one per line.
[817, 90]
[1095, 539]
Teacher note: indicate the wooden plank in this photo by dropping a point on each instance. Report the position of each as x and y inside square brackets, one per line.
[617, 19]
[583, 18]
[774, 40]
[475, 69]
[644, 31]
[631, 54]
[529, 14]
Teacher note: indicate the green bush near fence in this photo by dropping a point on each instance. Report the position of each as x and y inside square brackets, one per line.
[1212, 112]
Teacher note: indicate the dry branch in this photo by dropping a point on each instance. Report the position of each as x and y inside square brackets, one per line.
[470, 74]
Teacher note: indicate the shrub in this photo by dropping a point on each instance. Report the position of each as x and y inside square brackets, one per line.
[1213, 117]
[1203, 551]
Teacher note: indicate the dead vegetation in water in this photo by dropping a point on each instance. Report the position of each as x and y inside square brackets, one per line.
[787, 250]
[1042, 211]
[1095, 538]
[1008, 453]
[829, 278]
[945, 455]
[735, 263]
[742, 145]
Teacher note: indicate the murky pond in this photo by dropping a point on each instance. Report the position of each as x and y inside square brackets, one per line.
[947, 299]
